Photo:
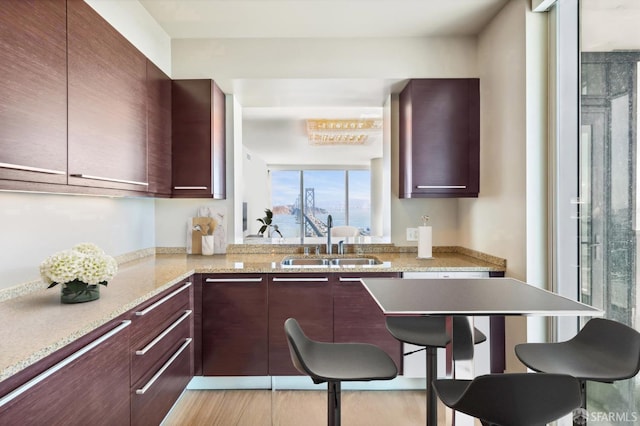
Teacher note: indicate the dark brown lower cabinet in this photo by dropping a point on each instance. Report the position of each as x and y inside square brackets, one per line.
[161, 353]
[357, 317]
[129, 371]
[152, 399]
[88, 386]
[305, 297]
[234, 325]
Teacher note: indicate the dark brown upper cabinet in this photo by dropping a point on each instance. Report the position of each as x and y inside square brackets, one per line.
[33, 91]
[198, 129]
[440, 138]
[158, 131]
[107, 128]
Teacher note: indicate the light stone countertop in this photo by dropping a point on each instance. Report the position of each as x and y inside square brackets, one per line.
[36, 324]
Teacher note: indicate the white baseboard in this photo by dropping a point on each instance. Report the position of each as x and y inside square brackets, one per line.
[298, 383]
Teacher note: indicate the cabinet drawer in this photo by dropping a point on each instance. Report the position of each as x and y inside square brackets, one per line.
[150, 319]
[152, 399]
[87, 386]
[145, 357]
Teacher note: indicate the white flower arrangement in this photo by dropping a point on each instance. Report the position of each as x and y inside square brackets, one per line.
[85, 263]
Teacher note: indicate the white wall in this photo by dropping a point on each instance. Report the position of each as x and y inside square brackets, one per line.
[496, 222]
[255, 177]
[34, 226]
[229, 60]
[399, 58]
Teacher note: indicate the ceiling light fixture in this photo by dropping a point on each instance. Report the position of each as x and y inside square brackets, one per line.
[341, 131]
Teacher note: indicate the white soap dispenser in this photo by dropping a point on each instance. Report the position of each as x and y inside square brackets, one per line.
[425, 244]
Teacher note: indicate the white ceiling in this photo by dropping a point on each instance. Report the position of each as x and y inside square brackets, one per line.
[321, 18]
[274, 109]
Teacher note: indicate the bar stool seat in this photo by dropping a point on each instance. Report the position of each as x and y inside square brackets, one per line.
[334, 363]
[523, 399]
[603, 351]
[431, 332]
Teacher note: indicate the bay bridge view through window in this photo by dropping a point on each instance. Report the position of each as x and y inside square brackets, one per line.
[301, 200]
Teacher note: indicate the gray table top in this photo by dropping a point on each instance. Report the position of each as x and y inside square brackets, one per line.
[471, 297]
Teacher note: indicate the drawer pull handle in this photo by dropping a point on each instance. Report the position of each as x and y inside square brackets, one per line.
[441, 186]
[161, 301]
[162, 335]
[166, 365]
[350, 280]
[57, 367]
[300, 280]
[108, 179]
[31, 169]
[190, 187]
[234, 280]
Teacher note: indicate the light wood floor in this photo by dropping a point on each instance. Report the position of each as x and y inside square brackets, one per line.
[297, 408]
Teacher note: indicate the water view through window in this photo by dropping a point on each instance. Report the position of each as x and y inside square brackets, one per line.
[302, 200]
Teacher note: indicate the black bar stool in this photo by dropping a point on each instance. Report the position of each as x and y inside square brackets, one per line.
[431, 332]
[603, 351]
[335, 363]
[512, 399]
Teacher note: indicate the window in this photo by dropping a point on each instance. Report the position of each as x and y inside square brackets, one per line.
[302, 200]
[596, 148]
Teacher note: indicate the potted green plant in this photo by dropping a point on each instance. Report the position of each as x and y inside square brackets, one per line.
[266, 222]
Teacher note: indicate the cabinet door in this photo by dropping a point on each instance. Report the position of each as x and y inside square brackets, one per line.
[234, 325]
[89, 386]
[305, 297]
[358, 318]
[158, 130]
[107, 104]
[440, 138]
[33, 91]
[198, 152]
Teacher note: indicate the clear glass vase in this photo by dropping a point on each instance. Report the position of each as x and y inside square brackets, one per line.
[78, 292]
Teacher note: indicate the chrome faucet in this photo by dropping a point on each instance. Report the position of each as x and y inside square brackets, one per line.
[329, 226]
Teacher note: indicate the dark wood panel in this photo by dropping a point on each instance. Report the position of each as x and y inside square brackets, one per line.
[311, 303]
[93, 389]
[219, 144]
[33, 89]
[440, 138]
[234, 329]
[107, 102]
[357, 317]
[197, 323]
[198, 139]
[152, 406]
[158, 130]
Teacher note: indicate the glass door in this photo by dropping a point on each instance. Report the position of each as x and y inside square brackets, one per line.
[607, 207]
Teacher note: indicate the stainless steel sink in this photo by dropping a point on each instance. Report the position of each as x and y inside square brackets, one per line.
[355, 261]
[304, 261]
[336, 261]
